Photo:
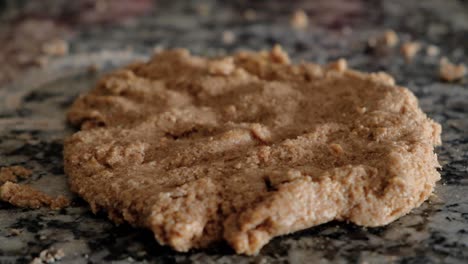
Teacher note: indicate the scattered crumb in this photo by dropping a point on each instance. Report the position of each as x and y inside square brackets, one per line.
[228, 37]
[49, 256]
[15, 231]
[56, 47]
[432, 51]
[250, 14]
[388, 39]
[26, 196]
[450, 72]
[36, 261]
[410, 49]
[299, 20]
[12, 173]
[202, 9]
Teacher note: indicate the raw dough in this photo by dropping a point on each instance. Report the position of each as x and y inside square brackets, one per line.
[248, 147]
[450, 72]
[26, 196]
[12, 173]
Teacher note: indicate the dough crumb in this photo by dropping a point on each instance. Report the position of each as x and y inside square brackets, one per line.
[15, 231]
[450, 72]
[432, 51]
[49, 256]
[56, 47]
[388, 39]
[13, 173]
[409, 50]
[228, 37]
[299, 20]
[26, 196]
[202, 9]
[250, 14]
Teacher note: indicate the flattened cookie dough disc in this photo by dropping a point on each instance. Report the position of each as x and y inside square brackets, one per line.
[248, 147]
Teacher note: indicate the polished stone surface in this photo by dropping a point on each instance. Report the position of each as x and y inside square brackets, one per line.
[32, 127]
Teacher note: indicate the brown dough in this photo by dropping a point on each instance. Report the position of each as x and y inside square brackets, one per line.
[12, 173]
[248, 147]
[26, 196]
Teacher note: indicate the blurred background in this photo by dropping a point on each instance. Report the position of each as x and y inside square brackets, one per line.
[34, 32]
[51, 51]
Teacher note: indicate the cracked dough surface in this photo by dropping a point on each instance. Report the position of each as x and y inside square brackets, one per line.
[247, 147]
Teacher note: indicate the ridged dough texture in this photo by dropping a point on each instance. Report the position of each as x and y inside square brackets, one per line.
[247, 147]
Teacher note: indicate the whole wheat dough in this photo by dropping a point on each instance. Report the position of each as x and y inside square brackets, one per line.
[248, 147]
[21, 195]
[13, 173]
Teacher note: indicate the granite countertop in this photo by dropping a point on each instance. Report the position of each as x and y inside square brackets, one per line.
[32, 125]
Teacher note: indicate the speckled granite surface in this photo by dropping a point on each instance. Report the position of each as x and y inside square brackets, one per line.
[32, 128]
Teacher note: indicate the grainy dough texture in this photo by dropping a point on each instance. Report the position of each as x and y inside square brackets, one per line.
[12, 173]
[248, 147]
[26, 196]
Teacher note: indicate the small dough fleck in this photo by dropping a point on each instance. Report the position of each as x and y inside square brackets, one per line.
[55, 47]
[388, 39]
[228, 37]
[409, 50]
[50, 255]
[15, 232]
[450, 72]
[299, 19]
[250, 15]
[432, 50]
